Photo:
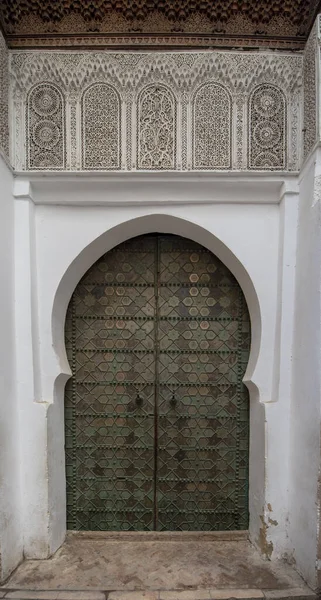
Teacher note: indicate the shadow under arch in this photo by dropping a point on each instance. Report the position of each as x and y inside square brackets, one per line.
[159, 223]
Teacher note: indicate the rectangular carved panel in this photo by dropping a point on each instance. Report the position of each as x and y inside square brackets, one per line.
[160, 111]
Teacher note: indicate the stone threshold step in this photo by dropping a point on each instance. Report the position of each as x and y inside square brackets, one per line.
[160, 536]
[203, 594]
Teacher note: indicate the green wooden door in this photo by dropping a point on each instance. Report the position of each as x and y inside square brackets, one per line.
[157, 336]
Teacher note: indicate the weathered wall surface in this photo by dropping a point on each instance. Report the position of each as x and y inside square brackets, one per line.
[305, 413]
[305, 405]
[10, 530]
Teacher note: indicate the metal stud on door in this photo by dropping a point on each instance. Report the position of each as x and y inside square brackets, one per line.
[157, 335]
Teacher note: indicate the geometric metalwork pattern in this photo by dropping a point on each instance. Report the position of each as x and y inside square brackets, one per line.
[45, 128]
[212, 127]
[110, 397]
[267, 128]
[203, 405]
[100, 127]
[156, 128]
[156, 414]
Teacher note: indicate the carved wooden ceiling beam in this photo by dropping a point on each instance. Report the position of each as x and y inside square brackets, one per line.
[157, 23]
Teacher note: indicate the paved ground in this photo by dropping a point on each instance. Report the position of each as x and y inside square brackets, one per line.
[153, 567]
[292, 594]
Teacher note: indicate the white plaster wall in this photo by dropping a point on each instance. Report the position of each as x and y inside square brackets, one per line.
[33, 408]
[305, 407]
[10, 526]
[241, 228]
[68, 225]
[63, 225]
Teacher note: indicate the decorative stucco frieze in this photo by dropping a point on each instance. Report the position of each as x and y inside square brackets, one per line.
[4, 105]
[310, 92]
[156, 111]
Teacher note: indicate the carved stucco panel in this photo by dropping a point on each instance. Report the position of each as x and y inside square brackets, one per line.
[212, 121]
[309, 83]
[240, 126]
[4, 97]
[185, 133]
[237, 70]
[156, 128]
[74, 113]
[101, 128]
[295, 152]
[181, 74]
[45, 128]
[267, 129]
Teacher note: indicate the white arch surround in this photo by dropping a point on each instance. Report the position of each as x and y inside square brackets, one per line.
[162, 223]
[76, 223]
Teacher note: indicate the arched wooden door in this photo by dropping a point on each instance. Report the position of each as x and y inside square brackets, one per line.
[156, 414]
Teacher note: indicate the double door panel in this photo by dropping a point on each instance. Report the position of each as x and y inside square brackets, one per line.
[157, 335]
